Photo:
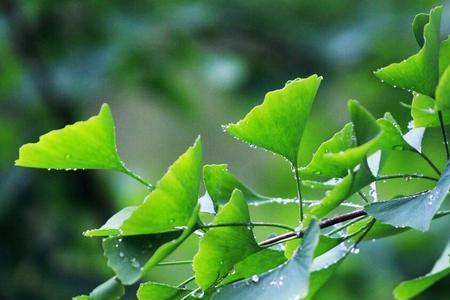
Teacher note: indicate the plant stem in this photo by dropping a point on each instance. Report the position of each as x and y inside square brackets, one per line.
[250, 224]
[175, 263]
[428, 160]
[346, 225]
[363, 197]
[444, 135]
[323, 224]
[138, 178]
[299, 192]
[387, 177]
[186, 282]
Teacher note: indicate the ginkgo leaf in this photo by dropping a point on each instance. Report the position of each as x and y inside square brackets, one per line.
[87, 144]
[415, 211]
[111, 289]
[420, 71]
[444, 56]
[223, 247]
[371, 135]
[167, 208]
[424, 114]
[159, 291]
[220, 184]
[288, 281]
[411, 288]
[320, 166]
[443, 92]
[278, 123]
[380, 230]
[419, 22]
[131, 256]
[257, 263]
[350, 184]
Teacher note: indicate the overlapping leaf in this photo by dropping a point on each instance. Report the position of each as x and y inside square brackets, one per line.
[87, 144]
[424, 114]
[278, 123]
[169, 207]
[420, 71]
[415, 211]
[444, 56]
[223, 247]
[288, 281]
[131, 256]
[220, 184]
[410, 288]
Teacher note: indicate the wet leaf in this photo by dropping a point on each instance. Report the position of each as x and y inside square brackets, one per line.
[223, 247]
[278, 123]
[87, 144]
[112, 289]
[418, 72]
[159, 291]
[287, 281]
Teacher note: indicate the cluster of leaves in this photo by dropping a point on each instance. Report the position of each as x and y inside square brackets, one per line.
[230, 262]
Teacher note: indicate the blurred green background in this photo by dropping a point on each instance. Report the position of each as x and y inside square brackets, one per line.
[172, 70]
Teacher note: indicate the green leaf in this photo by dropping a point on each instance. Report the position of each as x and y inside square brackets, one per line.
[88, 144]
[112, 289]
[420, 71]
[319, 165]
[223, 247]
[420, 20]
[444, 56]
[278, 123]
[127, 255]
[326, 243]
[424, 114]
[380, 230]
[288, 281]
[410, 288]
[325, 265]
[132, 256]
[167, 208]
[371, 135]
[220, 184]
[415, 211]
[443, 92]
[159, 291]
[350, 184]
[260, 262]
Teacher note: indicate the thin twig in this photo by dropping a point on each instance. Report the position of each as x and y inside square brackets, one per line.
[183, 284]
[138, 178]
[323, 224]
[444, 135]
[250, 224]
[175, 263]
[363, 197]
[405, 176]
[299, 192]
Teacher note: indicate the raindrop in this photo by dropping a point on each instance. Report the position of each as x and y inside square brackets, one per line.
[121, 254]
[407, 178]
[198, 294]
[398, 147]
[255, 278]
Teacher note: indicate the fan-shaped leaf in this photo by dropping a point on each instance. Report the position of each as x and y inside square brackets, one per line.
[320, 166]
[223, 247]
[131, 256]
[420, 71]
[220, 184]
[444, 56]
[415, 211]
[288, 281]
[443, 92]
[410, 288]
[88, 144]
[169, 207]
[278, 123]
[420, 20]
[424, 114]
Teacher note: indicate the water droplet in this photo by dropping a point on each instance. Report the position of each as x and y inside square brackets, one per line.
[355, 250]
[171, 221]
[398, 147]
[407, 178]
[255, 278]
[198, 293]
[135, 263]
[68, 156]
[48, 169]
[317, 172]
[121, 254]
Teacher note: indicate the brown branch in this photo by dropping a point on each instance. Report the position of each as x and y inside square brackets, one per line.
[323, 224]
